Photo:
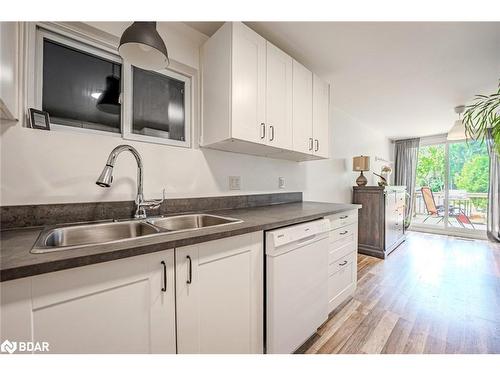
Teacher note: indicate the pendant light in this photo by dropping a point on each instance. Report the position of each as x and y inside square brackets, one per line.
[109, 100]
[457, 132]
[142, 46]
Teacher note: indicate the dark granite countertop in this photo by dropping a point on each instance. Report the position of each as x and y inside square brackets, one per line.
[16, 261]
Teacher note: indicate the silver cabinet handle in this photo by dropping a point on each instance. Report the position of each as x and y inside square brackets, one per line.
[263, 128]
[344, 217]
[344, 232]
[343, 263]
[271, 128]
[164, 288]
[310, 144]
[190, 270]
[317, 145]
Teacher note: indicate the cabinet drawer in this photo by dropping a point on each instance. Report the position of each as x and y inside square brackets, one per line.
[341, 280]
[348, 231]
[341, 263]
[336, 252]
[342, 242]
[342, 219]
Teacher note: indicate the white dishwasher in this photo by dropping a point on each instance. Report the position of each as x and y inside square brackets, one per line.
[296, 284]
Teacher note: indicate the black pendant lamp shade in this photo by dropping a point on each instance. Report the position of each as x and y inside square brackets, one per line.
[142, 46]
[109, 101]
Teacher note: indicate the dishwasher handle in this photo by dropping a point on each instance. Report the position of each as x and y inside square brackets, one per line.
[297, 233]
[302, 242]
[306, 239]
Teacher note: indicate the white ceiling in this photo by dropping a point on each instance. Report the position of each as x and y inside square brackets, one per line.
[403, 78]
[207, 28]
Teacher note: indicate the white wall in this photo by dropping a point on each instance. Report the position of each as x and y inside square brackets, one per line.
[62, 166]
[332, 180]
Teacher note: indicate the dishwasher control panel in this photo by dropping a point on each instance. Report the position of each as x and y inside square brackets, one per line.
[284, 236]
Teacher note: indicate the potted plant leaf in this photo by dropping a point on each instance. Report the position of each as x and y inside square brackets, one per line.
[482, 115]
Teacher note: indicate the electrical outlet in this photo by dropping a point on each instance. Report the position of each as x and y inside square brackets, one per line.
[281, 182]
[234, 183]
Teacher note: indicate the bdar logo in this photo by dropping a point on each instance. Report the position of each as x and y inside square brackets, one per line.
[9, 347]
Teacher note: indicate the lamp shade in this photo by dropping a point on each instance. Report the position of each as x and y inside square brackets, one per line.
[109, 100]
[142, 46]
[457, 132]
[361, 163]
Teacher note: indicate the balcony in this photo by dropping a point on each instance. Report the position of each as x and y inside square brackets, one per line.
[473, 205]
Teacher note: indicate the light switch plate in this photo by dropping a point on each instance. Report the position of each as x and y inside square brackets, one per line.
[281, 182]
[234, 182]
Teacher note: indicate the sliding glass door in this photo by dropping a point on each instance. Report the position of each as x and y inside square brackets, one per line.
[468, 185]
[452, 187]
[430, 186]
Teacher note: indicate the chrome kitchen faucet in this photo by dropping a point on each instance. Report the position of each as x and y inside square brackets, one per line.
[106, 179]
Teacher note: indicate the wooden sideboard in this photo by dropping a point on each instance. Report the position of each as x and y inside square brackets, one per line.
[381, 218]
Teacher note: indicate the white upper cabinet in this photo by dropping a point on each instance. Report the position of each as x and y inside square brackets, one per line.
[234, 90]
[248, 84]
[253, 100]
[8, 67]
[279, 98]
[321, 98]
[310, 113]
[302, 109]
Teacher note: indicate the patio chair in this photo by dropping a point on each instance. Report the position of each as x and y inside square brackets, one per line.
[437, 211]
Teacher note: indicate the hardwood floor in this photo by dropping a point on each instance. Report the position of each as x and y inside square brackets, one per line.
[434, 294]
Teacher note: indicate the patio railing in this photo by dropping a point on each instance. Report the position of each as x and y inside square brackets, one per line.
[472, 204]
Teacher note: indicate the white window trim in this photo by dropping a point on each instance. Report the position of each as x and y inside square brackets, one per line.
[28, 57]
[106, 43]
[433, 139]
[128, 109]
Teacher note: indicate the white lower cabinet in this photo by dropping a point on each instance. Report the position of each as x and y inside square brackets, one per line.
[130, 306]
[342, 257]
[122, 306]
[220, 296]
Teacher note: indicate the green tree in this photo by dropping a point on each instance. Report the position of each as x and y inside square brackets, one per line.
[431, 167]
[459, 154]
[474, 178]
[468, 168]
[474, 175]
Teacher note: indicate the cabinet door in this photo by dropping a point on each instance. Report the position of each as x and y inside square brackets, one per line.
[279, 98]
[248, 84]
[321, 99]
[302, 109]
[112, 307]
[8, 64]
[15, 310]
[220, 296]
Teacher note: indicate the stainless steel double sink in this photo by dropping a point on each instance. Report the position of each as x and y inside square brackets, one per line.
[72, 236]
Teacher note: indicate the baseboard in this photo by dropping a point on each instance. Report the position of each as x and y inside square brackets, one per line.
[396, 245]
[475, 236]
[374, 253]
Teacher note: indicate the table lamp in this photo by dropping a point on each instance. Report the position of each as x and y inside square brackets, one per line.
[361, 163]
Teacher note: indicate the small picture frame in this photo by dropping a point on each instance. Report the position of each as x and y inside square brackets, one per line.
[39, 119]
